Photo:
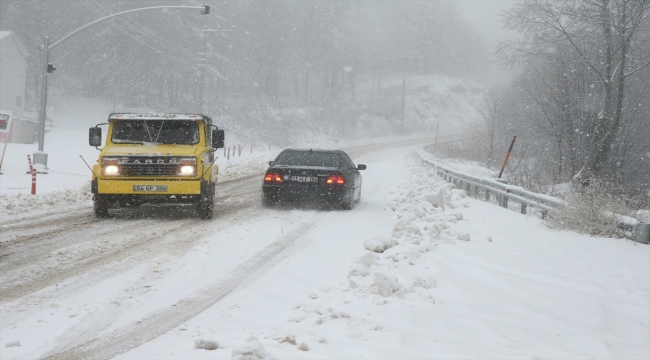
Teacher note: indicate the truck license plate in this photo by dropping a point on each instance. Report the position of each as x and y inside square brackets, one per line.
[150, 188]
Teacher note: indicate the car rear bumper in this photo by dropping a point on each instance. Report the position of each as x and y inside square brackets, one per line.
[306, 193]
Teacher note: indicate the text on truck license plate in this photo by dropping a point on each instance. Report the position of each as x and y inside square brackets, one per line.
[151, 188]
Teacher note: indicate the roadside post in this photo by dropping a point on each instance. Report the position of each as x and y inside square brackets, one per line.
[507, 156]
[33, 172]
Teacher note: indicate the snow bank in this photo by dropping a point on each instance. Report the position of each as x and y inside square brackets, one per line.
[428, 211]
[252, 349]
[18, 203]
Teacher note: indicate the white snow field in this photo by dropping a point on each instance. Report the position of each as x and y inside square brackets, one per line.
[416, 270]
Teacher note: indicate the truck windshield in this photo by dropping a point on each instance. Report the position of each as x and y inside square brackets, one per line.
[185, 132]
[308, 158]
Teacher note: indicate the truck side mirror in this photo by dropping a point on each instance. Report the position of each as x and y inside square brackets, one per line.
[271, 163]
[218, 137]
[95, 136]
[361, 167]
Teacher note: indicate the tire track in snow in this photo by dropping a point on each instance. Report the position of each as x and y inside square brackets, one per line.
[40, 260]
[158, 323]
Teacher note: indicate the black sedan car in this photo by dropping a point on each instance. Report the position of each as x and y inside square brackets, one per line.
[308, 174]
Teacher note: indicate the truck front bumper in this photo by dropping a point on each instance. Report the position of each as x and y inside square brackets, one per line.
[134, 187]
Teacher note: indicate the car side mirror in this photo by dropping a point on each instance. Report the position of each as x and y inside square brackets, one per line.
[361, 167]
[95, 136]
[218, 137]
[270, 163]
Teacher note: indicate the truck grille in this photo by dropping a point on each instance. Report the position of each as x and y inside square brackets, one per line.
[149, 166]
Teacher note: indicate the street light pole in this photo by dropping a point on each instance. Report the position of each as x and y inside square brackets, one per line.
[48, 68]
[203, 57]
[41, 113]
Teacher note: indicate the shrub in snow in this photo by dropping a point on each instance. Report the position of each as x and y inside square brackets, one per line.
[592, 210]
[386, 285]
[252, 349]
[12, 344]
[206, 344]
[378, 244]
[289, 339]
[643, 216]
[303, 347]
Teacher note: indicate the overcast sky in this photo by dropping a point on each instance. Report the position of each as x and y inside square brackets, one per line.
[485, 16]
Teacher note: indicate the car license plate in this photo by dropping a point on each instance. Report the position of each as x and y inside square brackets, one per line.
[304, 178]
[150, 188]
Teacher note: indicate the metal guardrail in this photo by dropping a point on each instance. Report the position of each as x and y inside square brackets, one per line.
[505, 192]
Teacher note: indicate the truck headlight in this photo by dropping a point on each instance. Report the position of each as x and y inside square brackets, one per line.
[187, 170]
[111, 170]
[187, 166]
[110, 166]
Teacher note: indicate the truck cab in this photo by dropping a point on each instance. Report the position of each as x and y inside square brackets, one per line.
[155, 158]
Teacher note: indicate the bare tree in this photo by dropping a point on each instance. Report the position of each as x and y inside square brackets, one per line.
[604, 35]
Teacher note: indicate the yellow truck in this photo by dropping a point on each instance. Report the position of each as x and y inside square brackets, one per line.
[155, 158]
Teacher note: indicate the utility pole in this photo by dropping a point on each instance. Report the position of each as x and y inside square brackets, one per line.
[48, 68]
[404, 74]
[404, 92]
[203, 62]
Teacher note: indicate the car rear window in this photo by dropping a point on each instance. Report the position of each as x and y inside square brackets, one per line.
[308, 158]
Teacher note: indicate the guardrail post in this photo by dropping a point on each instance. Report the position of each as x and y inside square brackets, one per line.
[544, 214]
[503, 201]
[523, 208]
[642, 233]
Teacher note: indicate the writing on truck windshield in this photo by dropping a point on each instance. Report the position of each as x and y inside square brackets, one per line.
[155, 131]
[308, 158]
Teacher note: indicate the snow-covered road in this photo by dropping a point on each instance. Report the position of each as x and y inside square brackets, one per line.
[457, 278]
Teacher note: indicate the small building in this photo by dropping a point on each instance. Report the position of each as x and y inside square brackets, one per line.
[13, 79]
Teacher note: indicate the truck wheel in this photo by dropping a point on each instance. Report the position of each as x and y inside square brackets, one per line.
[205, 211]
[206, 205]
[100, 206]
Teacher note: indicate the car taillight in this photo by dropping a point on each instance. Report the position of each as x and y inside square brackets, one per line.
[271, 177]
[335, 180]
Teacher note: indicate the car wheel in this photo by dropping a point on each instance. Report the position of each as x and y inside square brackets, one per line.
[358, 200]
[268, 201]
[349, 203]
[100, 206]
